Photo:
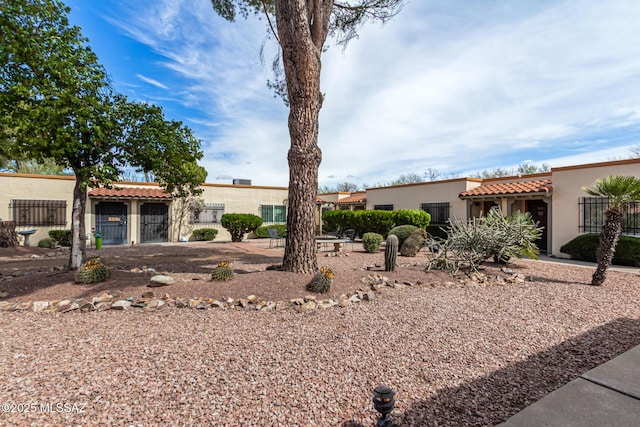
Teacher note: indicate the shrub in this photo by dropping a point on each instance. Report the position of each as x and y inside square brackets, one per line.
[413, 243]
[338, 220]
[60, 237]
[416, 217]
[584, 247]
[45, 243]
[371, 242]
[263, 231]
[376, 221]
[402, 232]
[239, 224]
[204, 234]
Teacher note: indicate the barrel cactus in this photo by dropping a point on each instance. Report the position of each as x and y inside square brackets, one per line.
[390, 252]
[222, 272]
[321, 281]
[93, 271]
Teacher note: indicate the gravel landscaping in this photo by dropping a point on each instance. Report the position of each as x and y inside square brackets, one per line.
[457, 353]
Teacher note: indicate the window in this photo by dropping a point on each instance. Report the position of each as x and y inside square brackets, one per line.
[439, 211]
[39, 212]
[211, 214]
[273, 213]
[383, 207]
[592, 210]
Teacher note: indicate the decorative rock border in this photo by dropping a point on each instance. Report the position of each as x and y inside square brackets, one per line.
[149, 301]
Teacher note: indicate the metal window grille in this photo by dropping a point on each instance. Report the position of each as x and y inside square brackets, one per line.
[439, 211]
[592, 215]
[273, 213]
[211, 214]
[39, 212]
[383, 207]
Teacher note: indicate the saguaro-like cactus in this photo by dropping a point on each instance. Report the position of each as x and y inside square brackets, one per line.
[390, 252]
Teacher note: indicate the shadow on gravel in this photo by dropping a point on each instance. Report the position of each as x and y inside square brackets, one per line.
[491, 400]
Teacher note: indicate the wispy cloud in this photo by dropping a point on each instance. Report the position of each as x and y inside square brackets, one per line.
[151, 81]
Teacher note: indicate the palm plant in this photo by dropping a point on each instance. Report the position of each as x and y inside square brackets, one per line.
[620, 190]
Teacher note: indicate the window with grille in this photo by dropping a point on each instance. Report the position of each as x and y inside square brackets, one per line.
[383, 207]
[592, 215]
[439, 211]
[211, 214]
[273, 213]
[39, 212]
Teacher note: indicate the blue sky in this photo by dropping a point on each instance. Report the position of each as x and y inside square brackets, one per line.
[458, 86]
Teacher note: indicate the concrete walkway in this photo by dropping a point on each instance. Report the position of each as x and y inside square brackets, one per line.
[608, 395]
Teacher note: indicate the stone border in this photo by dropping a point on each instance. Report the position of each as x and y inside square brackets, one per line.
[149, 301]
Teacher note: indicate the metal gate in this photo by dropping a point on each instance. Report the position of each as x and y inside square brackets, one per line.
[154, 222]
[111, 222]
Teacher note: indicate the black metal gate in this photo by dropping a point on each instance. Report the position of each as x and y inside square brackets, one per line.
[154, 222]
[111, 222]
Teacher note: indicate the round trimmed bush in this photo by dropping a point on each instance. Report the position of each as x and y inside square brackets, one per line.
[371, 242]
[204, 234]
[45, 243]
[240, 224]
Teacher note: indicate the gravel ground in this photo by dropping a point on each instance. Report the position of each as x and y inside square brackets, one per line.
[456, 355]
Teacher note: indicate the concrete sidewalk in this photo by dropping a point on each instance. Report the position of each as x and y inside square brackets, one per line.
[608, 395]
[593, 265]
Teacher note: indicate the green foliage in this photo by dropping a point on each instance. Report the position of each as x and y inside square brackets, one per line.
[619, 189]
[204, 234]
[371, 242]
[412, 245]
[469, 243]
[402, 232]
[263, 231]
[93, 271]
[321, 281]
[585, 246]
[240, 224]
[376, 221]
[222, 272]
[338, 220]
[390, 253]
[416, 217]
[60, 237]
[45, 243]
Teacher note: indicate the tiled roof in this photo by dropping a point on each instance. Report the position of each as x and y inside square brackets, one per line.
[352, 199]
[130, 193]
[510, 188]
[319, 200]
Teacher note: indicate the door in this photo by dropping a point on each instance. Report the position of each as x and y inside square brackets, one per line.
[111, 222]
[538, 211]
[154, 222]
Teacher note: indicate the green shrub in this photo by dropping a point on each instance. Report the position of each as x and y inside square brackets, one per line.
[60, 237]
[204, 234]
[263, 231]
[585, 246]
[240, 224]
[416, 217]
[402, 232]
[338, 220]
[45, 243]
[371, 242]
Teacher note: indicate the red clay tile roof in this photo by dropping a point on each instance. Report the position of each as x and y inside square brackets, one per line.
[130, 193]
[352, 199]
[509, 188]
[319, 200]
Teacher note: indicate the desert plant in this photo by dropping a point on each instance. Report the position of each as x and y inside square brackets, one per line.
[93, 271]
[240, 224]
[390, 253]
[222, 271]
[60, 237]
[402, 232]
[321, 281]
[412, 244]
[371, 242]
[204, 234]
[45, 243]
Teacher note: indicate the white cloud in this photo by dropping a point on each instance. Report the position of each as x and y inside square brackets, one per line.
[151, 81]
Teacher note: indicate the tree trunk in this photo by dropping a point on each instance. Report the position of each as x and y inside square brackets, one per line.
[302, 33]
[607, 246]
[78, 242]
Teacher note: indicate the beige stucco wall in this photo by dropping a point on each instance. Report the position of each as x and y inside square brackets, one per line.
[410, 196]
[567, 189]
[236, 198]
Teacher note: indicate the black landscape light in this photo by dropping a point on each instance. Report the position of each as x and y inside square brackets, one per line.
[383, 402]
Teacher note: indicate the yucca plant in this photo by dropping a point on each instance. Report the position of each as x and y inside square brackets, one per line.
[321, 281]
[223, 271]
[93, 271]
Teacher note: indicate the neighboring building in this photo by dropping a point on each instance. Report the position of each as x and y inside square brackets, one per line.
[142, 212]
[131, 211]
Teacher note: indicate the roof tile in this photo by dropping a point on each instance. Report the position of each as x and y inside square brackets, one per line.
[352, 199]
[130, 193]
[510, 188]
